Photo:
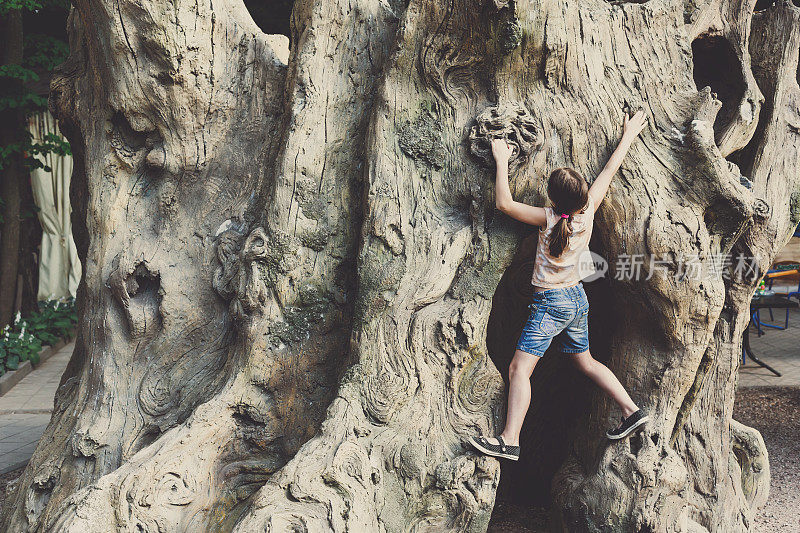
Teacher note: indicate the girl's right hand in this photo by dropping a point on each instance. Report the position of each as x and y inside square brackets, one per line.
[501, 150]
[634, 125]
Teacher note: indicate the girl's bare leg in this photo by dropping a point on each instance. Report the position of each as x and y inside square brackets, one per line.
[519, 396]
[606, 380]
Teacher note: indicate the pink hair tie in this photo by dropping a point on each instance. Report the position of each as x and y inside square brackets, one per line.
[564, 215]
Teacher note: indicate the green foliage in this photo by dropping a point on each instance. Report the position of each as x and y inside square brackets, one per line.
[41, 52]
[51, 143]
[55, 319]
[31, 5]
[18, 72]
[24, 5]
[24, 339]
[44, 51]
[27, 100]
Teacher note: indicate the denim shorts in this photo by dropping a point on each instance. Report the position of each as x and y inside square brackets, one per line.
[562, 314]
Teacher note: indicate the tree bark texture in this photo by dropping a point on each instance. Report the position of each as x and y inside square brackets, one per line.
[14, 174]
[29, 246]
[297, 292]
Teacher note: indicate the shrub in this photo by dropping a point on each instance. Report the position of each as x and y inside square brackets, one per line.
[23, 340]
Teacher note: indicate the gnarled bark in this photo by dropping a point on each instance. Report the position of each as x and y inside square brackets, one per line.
[295, 280]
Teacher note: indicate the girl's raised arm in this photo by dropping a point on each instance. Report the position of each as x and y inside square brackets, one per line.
[631, 130]
[505, 203]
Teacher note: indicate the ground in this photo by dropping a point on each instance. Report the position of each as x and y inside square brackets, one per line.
[775, 412]
[765, 402]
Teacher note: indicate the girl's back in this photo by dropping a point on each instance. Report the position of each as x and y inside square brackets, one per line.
[574, 263]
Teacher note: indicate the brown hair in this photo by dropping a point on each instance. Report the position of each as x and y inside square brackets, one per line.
[569, 193]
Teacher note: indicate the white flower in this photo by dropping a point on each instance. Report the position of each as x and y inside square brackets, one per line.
[16, 318]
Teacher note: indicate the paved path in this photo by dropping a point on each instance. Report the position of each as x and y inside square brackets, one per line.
[780, 349]
[25, 410]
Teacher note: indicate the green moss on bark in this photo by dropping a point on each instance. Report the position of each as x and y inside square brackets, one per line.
[421, 139]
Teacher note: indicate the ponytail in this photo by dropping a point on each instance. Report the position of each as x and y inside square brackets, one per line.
[569, 192]
[559, 236]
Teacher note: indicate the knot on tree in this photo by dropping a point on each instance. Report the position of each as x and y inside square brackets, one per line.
[794, 208]
[511, 122]
[761, 208]
[250, 265]
[510, 35]
[469, 478]
[510, 31]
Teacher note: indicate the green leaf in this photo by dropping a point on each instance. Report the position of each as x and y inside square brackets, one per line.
[45, 51]
[26, 99]
[18, 72]
[51, 143]
[27, 5]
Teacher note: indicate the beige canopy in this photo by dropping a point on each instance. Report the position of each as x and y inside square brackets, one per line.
[59, 266]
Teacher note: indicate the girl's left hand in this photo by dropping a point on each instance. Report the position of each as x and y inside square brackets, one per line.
[501, 150]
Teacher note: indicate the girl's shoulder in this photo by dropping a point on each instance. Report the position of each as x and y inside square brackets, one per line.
[590, 207]
[587, 212]
[585, 219]
[550, 218]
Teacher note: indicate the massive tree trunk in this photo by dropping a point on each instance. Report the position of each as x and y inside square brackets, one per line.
[296, 284]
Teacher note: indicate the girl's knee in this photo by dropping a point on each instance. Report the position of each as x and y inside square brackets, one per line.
[521, 367]
[514, 368]
[584, 361]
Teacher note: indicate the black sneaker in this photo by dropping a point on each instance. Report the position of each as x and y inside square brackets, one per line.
[496, 450]
[628, 425]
